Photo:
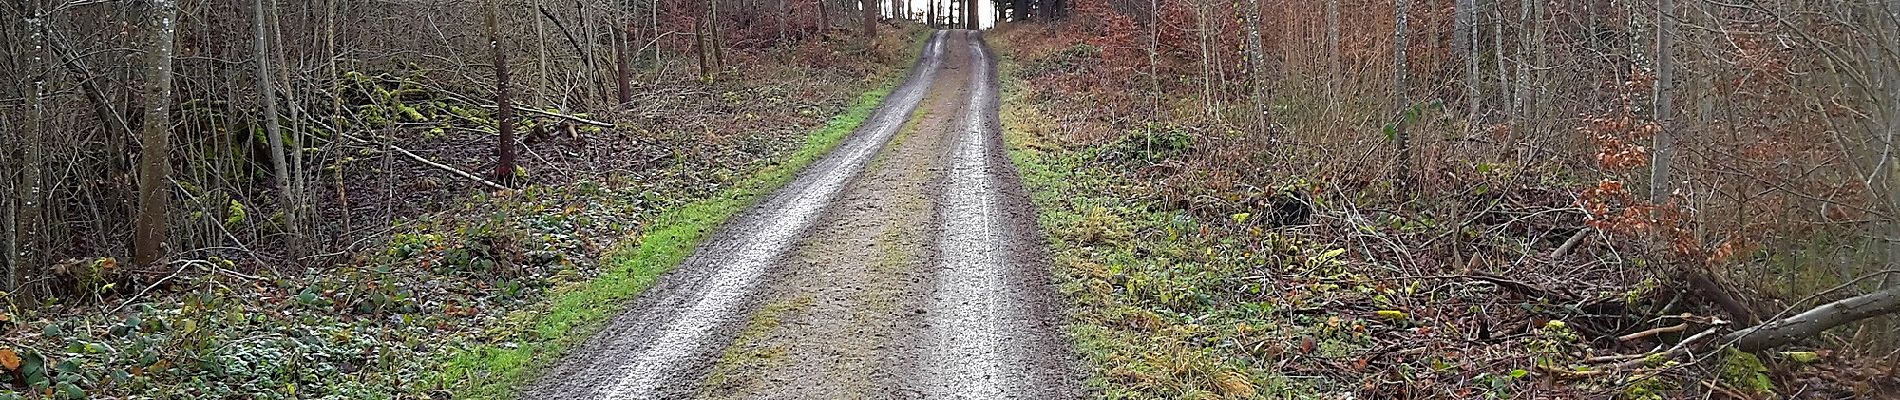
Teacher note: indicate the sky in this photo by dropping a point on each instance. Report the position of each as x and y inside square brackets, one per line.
[985, 9]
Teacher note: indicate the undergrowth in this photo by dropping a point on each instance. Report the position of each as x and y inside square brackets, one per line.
[465, 300]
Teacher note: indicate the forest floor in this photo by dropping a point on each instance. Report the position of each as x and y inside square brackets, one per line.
[903, 265]
[1201, 267]
[437, 289]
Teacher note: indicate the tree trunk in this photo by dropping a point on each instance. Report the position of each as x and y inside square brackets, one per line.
[1497, 44]
[1209, 100]
[1256, 64]
[1814, 321]
[714, 39]
[1663, 146]
[699, 49]
[1020, 8]
[1400, 101]
[970, 19]
[274, 135]
[824, 17]
[1465, 44]
[155, 148]
[1154, 65]
[623, 59]
[504, 106]
[1890, 29]
[1333, 74]
[32, 140]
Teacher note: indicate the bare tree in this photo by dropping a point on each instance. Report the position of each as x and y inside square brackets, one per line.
[702, 55]
[1333, 73]
[32, 187]
[1663, 148]
[871, 21]
[970, 20]
[505, 113]
[623, 60]
[149, 231]
[1400, 102]
[1256, 63]
[1465, 46]
[286, 191]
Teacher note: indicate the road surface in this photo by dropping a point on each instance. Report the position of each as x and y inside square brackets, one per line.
[905, 264]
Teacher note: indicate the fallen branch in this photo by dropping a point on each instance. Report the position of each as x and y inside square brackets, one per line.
[425, 161]
[531, 110]
[412, 156]
[1816, 320]
[1654, 331]
[570, 118]
[1569, 244]
[1677, 350]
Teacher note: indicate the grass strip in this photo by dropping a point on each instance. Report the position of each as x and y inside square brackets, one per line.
[495, 370]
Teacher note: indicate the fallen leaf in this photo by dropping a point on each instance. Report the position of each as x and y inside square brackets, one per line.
[1235, 385]
[9, 359]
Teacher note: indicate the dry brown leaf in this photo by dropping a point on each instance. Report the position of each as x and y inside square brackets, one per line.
[1233, 385]
[9, 359]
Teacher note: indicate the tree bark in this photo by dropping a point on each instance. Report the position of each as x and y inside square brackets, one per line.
[32, 185]
[1333, 74]
[1814, 321]
[970, 19]
[267, 94]
[505, 113]
[1256, 64]
[623, 59]
[149, 231]
[1400, 101]
[699, 49]
[1663, 146]
[1465, 44]
[714, 39]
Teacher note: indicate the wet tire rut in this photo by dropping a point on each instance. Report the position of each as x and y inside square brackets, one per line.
[906, 265]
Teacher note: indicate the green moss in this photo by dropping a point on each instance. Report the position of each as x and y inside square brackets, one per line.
[1646, 387]
[574, 312]
[1742, 370]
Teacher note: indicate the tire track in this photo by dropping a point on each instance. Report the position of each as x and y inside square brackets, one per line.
[992, 327]
[664, 342]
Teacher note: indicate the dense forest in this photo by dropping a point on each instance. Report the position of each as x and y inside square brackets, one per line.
[1240, 199]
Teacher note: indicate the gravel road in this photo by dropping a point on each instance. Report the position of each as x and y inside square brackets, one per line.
[905, 264]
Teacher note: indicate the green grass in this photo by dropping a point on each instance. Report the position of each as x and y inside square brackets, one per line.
[495, 370]
[1153, 310]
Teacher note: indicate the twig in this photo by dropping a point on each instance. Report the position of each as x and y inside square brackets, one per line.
[425, 161]
[181, 269]
[1570, 243]
[1654, 331]
[1679, 348]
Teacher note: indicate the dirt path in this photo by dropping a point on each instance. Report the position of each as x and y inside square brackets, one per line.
[907, 270]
